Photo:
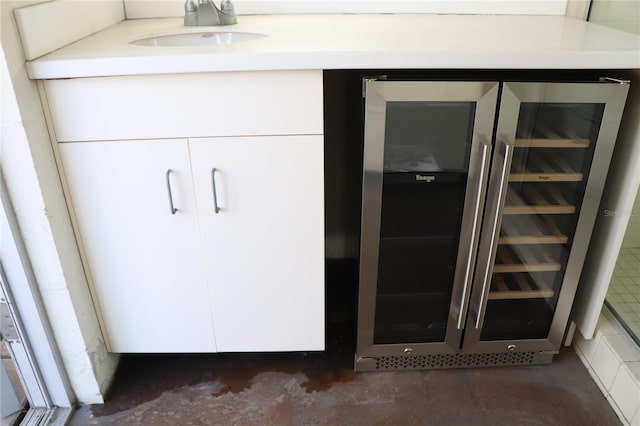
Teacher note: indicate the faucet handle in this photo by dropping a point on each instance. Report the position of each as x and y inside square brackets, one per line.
[190, 13]
[227, 6]
[228, 15]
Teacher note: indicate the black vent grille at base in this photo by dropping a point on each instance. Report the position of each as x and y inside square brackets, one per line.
[454, 360]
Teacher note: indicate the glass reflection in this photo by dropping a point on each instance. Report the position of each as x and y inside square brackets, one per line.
[623, 296]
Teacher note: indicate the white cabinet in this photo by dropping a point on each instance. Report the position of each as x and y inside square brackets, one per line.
[186, 105]
[263, 249]
[145, 261]
[249, 277]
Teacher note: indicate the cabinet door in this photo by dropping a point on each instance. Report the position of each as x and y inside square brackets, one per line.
[426, 153]
[554, 144]
[260, 203]
[143, 256]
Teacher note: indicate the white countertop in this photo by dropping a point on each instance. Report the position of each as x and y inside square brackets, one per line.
[352, 42]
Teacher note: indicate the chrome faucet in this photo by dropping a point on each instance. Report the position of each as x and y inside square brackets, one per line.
[205, 12]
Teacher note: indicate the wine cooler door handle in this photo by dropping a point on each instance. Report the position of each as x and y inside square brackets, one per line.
[216, 208]
[174, 210]
[479, 193]
[494, 231]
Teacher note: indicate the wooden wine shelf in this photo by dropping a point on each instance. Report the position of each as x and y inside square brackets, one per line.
[527, 229]
[546, 137]
[526, 233]
[552, 143]
[543, 168]
[527, 261]
[531, 201]
[521, 288]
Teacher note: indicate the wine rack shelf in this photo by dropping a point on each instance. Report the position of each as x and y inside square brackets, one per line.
[530, 242]
[525, 259]
[552, 143]
[532, 201]
[543, 168]
[518, 286]
[527, 229]
[546, 137]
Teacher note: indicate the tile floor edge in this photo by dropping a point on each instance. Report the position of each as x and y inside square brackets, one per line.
[585, 350]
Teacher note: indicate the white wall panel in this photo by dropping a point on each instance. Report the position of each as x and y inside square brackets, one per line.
[45, 27]
[620, 14]
[166, 8]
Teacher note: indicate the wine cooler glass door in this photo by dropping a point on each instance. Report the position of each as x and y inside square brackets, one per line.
[426, 160]
[554, 142]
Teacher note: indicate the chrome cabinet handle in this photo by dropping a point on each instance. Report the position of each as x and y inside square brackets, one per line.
[168, 176]
[495, 231]
[477, 208]
[216, 209]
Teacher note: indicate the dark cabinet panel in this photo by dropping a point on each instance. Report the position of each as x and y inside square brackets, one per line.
[421, 209]
[413, 318]
[416, 265]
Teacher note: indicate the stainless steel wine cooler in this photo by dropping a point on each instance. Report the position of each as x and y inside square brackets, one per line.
[478, 203]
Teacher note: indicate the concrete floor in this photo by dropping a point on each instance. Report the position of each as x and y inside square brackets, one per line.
[322, 389]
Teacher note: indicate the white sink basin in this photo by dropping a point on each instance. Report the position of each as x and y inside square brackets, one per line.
[203, 38]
